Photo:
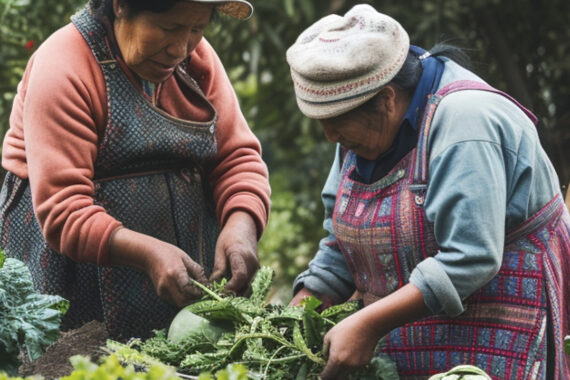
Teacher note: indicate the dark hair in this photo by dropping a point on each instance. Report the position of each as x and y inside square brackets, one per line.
[409, 75]
[455, 53]
[104, 8]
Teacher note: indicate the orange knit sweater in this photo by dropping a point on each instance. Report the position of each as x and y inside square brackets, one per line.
[59, 115]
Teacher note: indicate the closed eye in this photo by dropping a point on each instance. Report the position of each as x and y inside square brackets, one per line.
[169, 28]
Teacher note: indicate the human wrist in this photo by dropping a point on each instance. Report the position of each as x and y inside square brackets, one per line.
[372, 322]
[244, 220]
[130, 248]
[397, 309]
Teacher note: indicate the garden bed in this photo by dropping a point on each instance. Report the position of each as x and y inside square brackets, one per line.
[54, 363]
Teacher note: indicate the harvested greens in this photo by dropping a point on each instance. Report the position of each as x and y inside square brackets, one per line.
[271, 341]
[29, 321]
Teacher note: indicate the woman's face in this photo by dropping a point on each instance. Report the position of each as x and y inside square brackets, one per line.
[366, 133]
[152, 44]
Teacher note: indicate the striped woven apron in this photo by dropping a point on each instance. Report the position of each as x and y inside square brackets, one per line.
[151, 174]
[510, 325]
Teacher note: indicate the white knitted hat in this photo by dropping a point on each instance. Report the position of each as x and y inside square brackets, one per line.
[339, 62]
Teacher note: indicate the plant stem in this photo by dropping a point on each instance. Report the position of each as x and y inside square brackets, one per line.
[206, 290]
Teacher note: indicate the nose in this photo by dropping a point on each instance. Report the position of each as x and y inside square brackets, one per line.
[181, 45]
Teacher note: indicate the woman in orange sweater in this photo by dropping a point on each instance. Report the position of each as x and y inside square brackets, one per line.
[131, 168]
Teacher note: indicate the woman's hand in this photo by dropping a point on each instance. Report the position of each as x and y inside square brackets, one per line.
[352, 341]
[304, 293]
[300, 296]
[169, 267]
[236, 250]
[350, 344]
[171, 270]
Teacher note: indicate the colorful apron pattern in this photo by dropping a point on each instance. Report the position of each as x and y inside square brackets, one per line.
[512, 327]
[151, 173]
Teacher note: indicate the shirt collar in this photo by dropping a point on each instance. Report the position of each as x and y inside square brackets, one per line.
[432, 69]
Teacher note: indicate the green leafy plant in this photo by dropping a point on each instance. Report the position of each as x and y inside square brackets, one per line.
[567, 344]
[111, 368]
[272, 341]
[5, 376]
[30, 321]
[231, 372]
[462, 372]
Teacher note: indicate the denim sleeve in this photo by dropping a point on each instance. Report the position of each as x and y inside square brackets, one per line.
[466, 202]
[328, 273]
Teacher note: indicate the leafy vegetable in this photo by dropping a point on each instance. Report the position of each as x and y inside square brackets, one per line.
[231, 372]
[30, 321]
[567, 344]
[188, 325]
[112, 369]
[271, 341]
[4, 376]
[462, 372]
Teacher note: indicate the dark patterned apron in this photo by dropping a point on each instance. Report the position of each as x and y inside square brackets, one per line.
[510, 325]
[151, 173]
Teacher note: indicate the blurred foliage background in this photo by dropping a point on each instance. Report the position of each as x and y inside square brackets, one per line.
[519, 46]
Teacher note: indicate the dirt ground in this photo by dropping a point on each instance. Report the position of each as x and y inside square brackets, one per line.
[54, 364]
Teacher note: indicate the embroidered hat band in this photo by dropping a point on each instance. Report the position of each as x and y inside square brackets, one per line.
[340, 62]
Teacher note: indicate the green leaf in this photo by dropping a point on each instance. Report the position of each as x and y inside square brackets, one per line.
[187, 325]
[465, 372]
[303, 370]
[112, 368]
[30, 321]
[341, 311]
[261, 284]
[214, 309]
[232, 372]
[312, 323]
[127, 353]
[310, 303]
[302, 346]
[273, 341]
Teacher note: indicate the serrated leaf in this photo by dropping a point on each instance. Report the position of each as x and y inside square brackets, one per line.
[300, 343]
[261, 284]
[313, 322]
[341, 311]
[271, 340]
[214, 309]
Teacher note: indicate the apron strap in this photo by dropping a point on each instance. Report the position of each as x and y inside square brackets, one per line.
[420, 170]
[94, 34]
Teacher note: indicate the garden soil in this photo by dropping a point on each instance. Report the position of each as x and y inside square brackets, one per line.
[54, 363]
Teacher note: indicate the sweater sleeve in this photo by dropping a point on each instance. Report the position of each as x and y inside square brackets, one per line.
[466, 199]
[328, 272]
[239, 178]
[63, 106]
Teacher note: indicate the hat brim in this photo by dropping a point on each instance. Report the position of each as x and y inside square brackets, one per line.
[333, 109]
[240, 9]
